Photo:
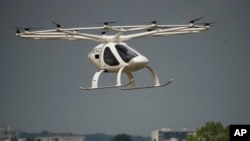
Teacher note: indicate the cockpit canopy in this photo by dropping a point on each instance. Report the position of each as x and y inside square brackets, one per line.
[125, 53]
[112, 56]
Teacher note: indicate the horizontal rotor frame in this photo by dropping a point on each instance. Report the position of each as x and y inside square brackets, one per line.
[124, 33]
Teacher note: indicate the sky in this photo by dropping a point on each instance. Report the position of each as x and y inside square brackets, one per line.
[40, 80]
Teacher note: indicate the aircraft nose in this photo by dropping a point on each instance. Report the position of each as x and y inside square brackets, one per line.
[138, 61]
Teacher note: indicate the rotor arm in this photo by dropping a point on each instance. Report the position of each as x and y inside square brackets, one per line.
[124, 33]
[150, 33]
[50, 36]
[182, 31]
[97, 38]
[57, 34]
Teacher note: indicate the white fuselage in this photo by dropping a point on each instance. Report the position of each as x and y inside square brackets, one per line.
[112, 56]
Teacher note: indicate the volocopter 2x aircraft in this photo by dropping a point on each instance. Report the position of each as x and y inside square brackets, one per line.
[112, 55]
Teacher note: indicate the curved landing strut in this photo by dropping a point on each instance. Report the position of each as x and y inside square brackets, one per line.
[131, 82]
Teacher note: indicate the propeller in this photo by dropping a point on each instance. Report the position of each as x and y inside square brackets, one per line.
[103, 32]
[107, 23]
[57, 24]
[153, 22]
[192, 21]
[25, 28]
[156, 20]
[152, 29]
[17, 30]
[209, 24]
[106, 31]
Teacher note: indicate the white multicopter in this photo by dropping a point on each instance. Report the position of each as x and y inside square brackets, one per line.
[112, 55]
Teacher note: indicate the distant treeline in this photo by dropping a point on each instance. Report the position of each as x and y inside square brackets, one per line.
[89, 137]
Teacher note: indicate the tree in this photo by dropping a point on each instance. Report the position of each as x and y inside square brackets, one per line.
[211, 131]
[122, 137]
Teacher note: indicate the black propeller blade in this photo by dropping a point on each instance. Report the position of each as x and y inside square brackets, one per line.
[104, 22]
[107, 23]
[17, 30]
[105, 32]
[25, 28]
[153, 22]
[209, 24]
[156, 20]
[29, 28]
[57, 24]
[151, 29]
[192, 21]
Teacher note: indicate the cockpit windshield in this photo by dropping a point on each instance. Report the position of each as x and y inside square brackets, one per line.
[109, 57]
[126, 53]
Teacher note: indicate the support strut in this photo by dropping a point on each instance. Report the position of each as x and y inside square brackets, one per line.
[131, 82]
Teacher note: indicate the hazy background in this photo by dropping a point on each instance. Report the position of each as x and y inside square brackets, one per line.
[40, 80]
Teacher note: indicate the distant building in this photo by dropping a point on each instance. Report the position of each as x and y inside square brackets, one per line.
[61, 137]
[7, 133]
[167, 134]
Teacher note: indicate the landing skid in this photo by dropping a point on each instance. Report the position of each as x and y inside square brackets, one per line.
[131, 83]
[106, 87]
[145, 87]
